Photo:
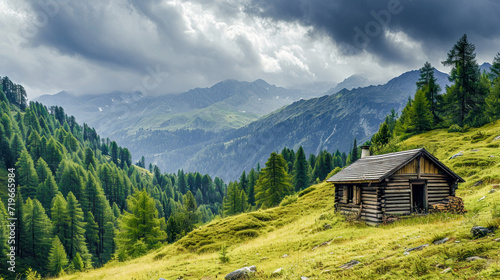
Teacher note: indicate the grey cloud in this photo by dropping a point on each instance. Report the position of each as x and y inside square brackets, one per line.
[434, 24]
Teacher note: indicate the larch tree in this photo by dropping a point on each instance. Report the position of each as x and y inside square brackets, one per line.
[232, 200]
[28, 178]
[300, 171]
[465, 95]
[57, 258]
[139, 224]
[274, 182]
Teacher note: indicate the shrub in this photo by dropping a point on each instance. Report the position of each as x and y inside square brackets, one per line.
[306, 191]
[248, 233]
[289, 199]
[223, 257]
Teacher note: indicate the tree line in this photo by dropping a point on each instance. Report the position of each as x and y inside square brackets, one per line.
[79, 199]
[472, 100]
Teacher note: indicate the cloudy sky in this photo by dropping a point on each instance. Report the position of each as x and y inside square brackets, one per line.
[165, 46]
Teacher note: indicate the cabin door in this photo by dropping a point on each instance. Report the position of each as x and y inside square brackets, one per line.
[418, 198]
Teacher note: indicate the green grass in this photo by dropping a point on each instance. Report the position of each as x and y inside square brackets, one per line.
[297, 229]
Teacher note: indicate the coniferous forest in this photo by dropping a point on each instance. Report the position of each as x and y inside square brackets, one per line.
[80, 202]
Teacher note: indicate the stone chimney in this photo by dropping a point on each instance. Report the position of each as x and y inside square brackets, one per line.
[365, 151]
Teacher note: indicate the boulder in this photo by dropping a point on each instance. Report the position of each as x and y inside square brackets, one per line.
[457, 155]
[496, 240]
[303, 278]
[442, 241]
[475, 258]
[478, 183]
[478, 232]
[242, 273]
[446, 270]
[277, 271]
[407, 251]
[350, 264]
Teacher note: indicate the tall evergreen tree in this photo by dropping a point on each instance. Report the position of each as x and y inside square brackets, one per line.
[464, 95]
[493, 101]
[27, 176]
[428, 84]
[252, 181]
[140, 223]
[354, 152]
[495, 68]
[75, 229]
[300, 171]
[274, 182]
[57, 258]
[60, 218]
[421, 116]
[37, 233]
[232, 200]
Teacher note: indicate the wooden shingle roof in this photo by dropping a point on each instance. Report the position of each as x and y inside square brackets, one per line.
[378, 168]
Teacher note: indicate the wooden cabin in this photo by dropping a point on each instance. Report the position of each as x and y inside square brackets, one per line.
[378, 187]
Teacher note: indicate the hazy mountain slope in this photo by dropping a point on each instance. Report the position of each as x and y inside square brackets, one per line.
[238, 103]
[327, 123]
[298, 230]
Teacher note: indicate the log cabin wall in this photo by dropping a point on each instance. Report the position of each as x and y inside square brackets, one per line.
[396, 195]
[369, 202]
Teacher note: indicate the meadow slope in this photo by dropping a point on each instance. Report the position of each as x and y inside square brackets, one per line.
[296, 237]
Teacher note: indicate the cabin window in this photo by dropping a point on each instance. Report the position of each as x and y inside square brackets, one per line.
[351, 194]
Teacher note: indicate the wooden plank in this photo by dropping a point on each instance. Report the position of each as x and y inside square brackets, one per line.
[401, 205]
[397, 191]
[388, 202]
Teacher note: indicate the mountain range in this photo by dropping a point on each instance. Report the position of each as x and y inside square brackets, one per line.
[231, 126]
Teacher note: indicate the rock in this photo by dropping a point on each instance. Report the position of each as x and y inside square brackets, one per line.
[457, 241]
[350, 264]
[327, 226]
[407, 251]
[180, 278]
[264, 258]
[478, 183]
[242, 273]
[496, 240]
[497, 138]
[481, 198]
[446, 270]
[285, 256]
[475, 150]
[441, 266]
[492, 191]
[303, 278]
[457, 155]
[478, 232]
[277, 271]
[161, 279]
[491, 156]
[322, 244]
[326, 271]
[470, 259]
[442, 241]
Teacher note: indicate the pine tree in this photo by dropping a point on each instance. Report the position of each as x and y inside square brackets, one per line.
[140, 223]
[232, 200]
[28, 178]
[60, 218]
[495, 68]
[71, 181]
[78, 263]
[114, 152]
[37, 229]
[493, 101]
[57, 258]
[46, 191]
[182, 184]
[274, 182]
[92, 236]
[464, 95]
[243, 181]
[75, 228]
[53, 154]
[252, 181]
[428, 84]
[421, 116]
[300, 171]
[243, 201]
[354, 152]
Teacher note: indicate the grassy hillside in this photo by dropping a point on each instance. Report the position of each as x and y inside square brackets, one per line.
[296, 229]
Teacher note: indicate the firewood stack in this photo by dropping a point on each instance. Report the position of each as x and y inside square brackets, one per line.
[451, 204]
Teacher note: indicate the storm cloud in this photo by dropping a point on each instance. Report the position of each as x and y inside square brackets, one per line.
[166, 46]
[380, 27]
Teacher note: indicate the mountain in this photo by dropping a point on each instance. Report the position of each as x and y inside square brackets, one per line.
[218, 131]
[485, 67]
[228, 104]
[305, 237]
[327, 123]
[354, 81]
